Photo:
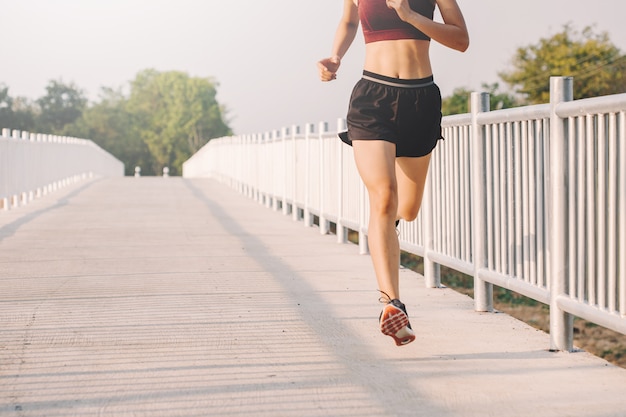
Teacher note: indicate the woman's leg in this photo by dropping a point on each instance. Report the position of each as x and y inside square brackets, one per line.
[411, 176]
[375, 160]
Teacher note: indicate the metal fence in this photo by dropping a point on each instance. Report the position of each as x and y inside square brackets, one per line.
[32, 165]
[532, 199]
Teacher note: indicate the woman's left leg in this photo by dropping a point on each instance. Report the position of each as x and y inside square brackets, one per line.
[411, 176]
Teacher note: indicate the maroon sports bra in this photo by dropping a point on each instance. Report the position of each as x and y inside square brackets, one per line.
[380, 23]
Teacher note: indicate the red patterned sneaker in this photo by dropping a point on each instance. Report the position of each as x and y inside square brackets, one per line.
[394, 322]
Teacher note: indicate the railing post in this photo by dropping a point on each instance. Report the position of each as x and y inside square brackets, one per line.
[483, 290]
[295, 215]
[285, 164]
[251, 150]
[4, 201]
[561, 323]
[249, 175]
[342, 233]
[324, 225]
[243, 166]
[432, 270]
[308, 218]
[266, 162]
[277, 170]
[622, 210]
[257, 143]
[363, 202]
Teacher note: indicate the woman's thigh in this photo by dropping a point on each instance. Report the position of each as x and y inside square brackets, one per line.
[375, 161]
[411, 176]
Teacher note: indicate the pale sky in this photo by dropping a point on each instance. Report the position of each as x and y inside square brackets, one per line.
[261, 52]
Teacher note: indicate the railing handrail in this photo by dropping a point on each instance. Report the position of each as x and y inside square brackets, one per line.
[33, 164]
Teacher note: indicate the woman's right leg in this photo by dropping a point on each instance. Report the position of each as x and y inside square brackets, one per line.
[375, 160]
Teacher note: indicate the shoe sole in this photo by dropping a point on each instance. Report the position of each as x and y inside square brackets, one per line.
[394, 323]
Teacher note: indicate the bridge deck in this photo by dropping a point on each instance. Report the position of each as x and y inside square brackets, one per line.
[172, 297]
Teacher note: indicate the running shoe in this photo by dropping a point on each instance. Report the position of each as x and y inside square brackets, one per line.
[394, 322]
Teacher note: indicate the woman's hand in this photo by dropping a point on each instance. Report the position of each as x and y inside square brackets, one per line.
[328, 68]
[401, 7]
[451, 33]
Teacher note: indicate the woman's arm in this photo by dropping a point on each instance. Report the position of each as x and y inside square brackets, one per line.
[452, 33]
[344, 36]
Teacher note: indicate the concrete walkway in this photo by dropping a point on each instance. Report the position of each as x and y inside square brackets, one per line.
[172, 297]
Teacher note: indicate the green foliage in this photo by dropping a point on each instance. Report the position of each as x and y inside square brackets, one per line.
[174, 115]
[503, 295]
[167, 117]
[110, 125]
[62, 105]
[6, 105]
[458, 102]
[598, 67]
[15, 113]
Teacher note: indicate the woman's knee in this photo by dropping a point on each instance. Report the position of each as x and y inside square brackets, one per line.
[408, 214]
[384, 201]
[409, 210]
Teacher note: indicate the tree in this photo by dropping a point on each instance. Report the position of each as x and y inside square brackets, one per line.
[62, 105]
[6, 107]
[458, 102]
[175, 115]
[108, 124]
[15, 113]
[598, 67]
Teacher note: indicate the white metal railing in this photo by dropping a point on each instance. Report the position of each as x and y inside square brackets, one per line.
[32, 165]
[532, 199]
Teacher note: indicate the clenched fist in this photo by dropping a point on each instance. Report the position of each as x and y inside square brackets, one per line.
[328, 68]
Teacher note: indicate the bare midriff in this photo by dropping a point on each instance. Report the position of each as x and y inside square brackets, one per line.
[403, 58]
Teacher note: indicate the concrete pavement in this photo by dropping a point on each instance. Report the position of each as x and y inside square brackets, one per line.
[174, 297]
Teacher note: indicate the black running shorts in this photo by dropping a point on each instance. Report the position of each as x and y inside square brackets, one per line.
[404, 112]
